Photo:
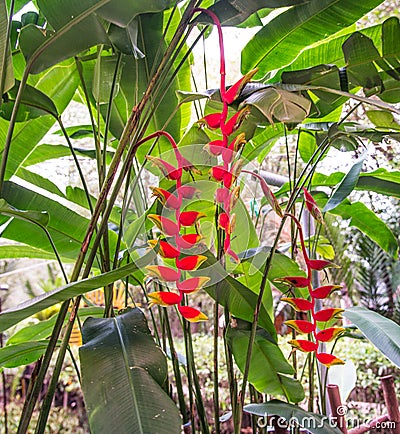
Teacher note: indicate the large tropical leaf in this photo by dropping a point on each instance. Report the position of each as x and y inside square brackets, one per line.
[122, 13]
[76, 27]
[6, 69]
[23, 353]
[270, 372]
[59, 84]
[232, 13]
[367, 221]
[67, 228]
[380, 181]
[279, 104]
[361, 217]
[280, 41]
[314, 423]
[28, 308]
[381, 331]
[230, 293]
[123, 375]
[347, 184]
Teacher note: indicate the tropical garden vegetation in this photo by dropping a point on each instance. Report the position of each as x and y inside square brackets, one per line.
[177, 225]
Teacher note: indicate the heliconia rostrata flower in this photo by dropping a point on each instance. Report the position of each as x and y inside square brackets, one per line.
[318, 327]
[175, 245]
[172, 243]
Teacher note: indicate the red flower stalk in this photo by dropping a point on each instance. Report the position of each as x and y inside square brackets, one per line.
[168, 170]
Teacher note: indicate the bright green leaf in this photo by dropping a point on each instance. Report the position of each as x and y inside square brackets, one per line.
[381, 331]
[122, 368]
[269, 370]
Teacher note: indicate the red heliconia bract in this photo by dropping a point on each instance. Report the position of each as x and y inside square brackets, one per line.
[218, 173]
[304, 345]
[164, 298]
[234, 122]
[301, 325]
[192, 284]
[296, 281]
[168, 199]
[212, 121]
[329, 359]
[187, 241]
[234, 91]
[189, 218]
[325, 315]
[299, 304]
[191, 314]
[324, 291]
[313, 207]
[321, 264]
[223, 221]
[187, 191]
[166, 226]
[168, 170]
[165, 274]
[165, 249]
[329, 334]
[215, 147]
[190, 263]
[221, 195]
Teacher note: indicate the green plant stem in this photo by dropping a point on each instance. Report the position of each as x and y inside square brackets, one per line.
[78, 166]
[108, 116]
[230, 368]
[48, 399]
[189, 378]
[176, 368]
[198, 395]
[95, 128]
[216, 376]
[7, 48]
[257, 312]
[42, 367]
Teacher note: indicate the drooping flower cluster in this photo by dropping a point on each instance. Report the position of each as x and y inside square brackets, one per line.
[320, 324]
[226, 147]
[173, 245]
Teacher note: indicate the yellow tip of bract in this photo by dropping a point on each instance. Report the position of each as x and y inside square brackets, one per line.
[193, 284]
[329, 334]
[165, 274]
[191, 314]
[304, 345]
[300, 325]
[329, 359]
[164, 299]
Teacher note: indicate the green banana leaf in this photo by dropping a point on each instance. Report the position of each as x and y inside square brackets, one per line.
[270, 372]
[124, 374]
[382, 332]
